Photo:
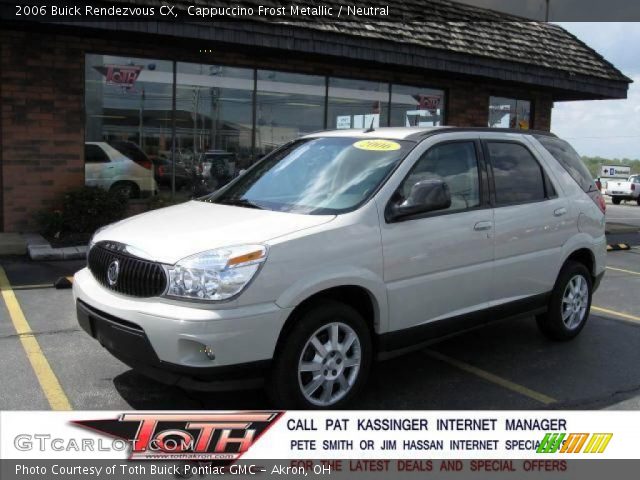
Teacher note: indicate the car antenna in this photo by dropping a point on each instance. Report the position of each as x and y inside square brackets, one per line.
[371, 129]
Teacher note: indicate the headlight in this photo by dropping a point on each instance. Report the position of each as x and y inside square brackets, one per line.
[215, 274]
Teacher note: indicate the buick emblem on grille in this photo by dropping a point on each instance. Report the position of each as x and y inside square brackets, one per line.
[112, 272]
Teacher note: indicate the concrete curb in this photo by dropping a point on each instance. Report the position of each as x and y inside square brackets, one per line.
[40, 249]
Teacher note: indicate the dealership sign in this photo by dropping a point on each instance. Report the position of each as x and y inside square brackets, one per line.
[429, 102]
[120, 75]
[225, 437]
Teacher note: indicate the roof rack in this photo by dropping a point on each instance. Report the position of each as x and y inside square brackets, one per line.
[445, 129]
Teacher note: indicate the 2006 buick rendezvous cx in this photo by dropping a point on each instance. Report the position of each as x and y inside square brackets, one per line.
[344, 245]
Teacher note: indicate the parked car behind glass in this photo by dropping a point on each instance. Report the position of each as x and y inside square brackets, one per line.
[163, 170]
[108, 167]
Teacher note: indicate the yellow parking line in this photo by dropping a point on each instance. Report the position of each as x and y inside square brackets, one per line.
[490, 377]
[623, 270]
[48, 381]
[633, 318]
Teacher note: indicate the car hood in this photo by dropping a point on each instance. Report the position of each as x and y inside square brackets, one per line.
[173, 233]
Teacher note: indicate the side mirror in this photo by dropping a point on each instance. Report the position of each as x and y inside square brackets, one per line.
[426, 196]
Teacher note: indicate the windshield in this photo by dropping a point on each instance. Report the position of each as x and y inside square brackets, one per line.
[316, 176]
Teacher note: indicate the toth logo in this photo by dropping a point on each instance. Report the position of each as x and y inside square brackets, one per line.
[194, 436]
[112, 272]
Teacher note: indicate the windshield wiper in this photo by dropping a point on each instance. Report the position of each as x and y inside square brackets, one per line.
[241, 202]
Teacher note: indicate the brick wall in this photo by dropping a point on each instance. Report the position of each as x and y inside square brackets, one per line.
[42, 98]
[42, 123]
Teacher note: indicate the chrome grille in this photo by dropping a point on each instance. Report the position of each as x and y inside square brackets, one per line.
[136, 277]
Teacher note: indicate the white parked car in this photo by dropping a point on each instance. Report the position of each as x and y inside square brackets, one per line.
[342, 246]
[109, 168]
[621, 189]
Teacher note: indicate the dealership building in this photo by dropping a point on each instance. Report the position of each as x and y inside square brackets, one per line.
[230, 92]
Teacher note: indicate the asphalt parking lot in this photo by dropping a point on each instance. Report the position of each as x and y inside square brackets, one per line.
[506, 365]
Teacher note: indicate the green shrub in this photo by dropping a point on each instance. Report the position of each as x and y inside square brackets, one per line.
[83, 210]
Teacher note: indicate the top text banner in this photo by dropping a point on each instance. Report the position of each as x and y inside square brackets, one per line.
[308, 10]
[231, 435]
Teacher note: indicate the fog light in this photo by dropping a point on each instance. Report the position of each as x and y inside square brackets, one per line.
[208, 351]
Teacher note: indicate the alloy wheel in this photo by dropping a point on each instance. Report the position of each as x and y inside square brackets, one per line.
[575, 301]
[329, 364]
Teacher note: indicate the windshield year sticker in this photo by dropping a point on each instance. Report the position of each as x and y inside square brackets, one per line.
[377, 145]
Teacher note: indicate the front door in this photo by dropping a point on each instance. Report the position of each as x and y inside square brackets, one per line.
[439, 265]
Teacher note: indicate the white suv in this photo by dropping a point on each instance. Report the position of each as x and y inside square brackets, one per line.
[108, 167]
[342, 246]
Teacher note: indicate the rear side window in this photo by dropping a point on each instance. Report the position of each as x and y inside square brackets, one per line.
[569, 159]
[132, 152]
[94, 154]
[518, 177]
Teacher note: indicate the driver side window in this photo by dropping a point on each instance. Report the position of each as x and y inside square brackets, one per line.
[454, 163]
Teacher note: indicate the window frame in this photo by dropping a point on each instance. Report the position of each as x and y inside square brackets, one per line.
[492, 183]
[483, 185]
[524, 98]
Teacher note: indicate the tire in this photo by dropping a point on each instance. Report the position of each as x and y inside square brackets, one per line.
[129, 189]
[573, 275]
[332, 369]
[616, 201]
[638, 201]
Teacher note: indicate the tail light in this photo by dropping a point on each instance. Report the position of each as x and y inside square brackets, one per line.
[146, 164]
[598, 185]
[599, 200]
[161, 170]
[633, 187]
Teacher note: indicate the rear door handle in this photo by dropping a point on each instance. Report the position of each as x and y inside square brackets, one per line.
[558, 212]
[480, 226]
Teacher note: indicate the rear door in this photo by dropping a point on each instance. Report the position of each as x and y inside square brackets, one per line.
[438, 265]
[532, 222]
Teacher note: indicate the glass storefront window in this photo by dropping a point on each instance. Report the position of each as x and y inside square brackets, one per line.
[288, 105]
[416, 106]
[357, 104]
[509, 113]
[214, 120]
[224, 119]
[128, 104]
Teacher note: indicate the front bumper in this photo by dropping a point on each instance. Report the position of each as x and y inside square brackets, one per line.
[166, 341]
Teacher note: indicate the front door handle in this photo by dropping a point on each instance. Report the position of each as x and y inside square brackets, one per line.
[480, 226]
[558, 212]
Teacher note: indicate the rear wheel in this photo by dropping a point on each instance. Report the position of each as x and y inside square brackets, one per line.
[126, 189]
[638, 201]
[324, 360]
[569, 304]
[616, 201]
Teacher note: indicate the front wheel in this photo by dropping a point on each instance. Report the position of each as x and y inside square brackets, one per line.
[569, 304]
[638, 201]
[324, 360]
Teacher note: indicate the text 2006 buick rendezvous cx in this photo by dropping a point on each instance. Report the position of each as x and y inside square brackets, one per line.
[344, 245]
